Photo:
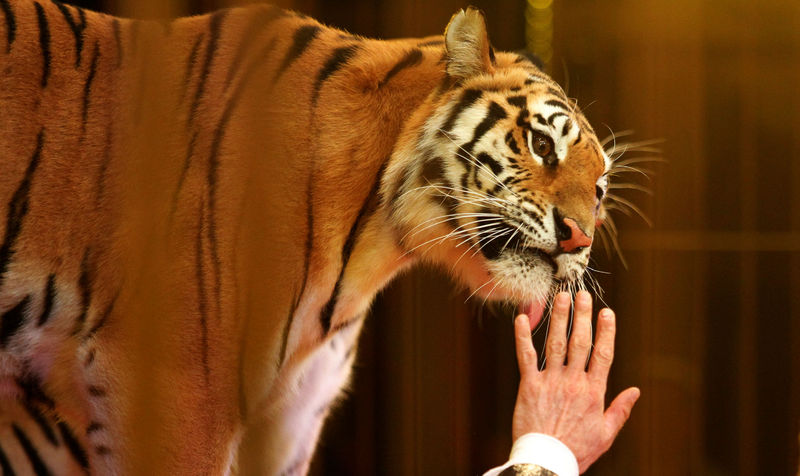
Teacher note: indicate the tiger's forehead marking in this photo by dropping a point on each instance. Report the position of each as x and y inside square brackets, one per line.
[532, 100]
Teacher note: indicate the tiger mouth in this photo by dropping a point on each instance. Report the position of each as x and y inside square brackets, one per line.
[506, 237]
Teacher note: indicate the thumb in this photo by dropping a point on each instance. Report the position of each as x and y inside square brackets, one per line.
[619, 411]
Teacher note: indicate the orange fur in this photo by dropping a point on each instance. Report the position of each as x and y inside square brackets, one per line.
[217, 205]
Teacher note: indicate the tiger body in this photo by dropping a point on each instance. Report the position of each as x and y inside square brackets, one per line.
[378, 154]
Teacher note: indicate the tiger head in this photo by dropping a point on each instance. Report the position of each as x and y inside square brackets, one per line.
[502, 179]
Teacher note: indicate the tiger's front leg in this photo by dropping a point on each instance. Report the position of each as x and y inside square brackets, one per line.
[282, 440]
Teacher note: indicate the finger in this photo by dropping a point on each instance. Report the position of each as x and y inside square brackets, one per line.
[603, 353]
[526, 354]
[557, 334]
[619, 411]
[581, 340]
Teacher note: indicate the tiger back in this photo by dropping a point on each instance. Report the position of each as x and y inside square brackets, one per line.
[199, 212]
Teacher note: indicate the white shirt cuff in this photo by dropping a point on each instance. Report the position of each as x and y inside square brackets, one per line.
[545, 451]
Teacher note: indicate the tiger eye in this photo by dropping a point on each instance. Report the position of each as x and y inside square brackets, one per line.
[541, 146]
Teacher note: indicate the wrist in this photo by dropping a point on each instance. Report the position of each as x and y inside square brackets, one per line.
[546, 451]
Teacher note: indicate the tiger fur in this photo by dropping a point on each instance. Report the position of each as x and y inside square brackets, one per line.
[375, 154]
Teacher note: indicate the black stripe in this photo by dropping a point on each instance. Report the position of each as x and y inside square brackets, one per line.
[73, 445]
[306, 265]
[214, 27]
[492, 56]
[44, 42]
[488, 160]
[286, 328]
[213, 168]
[396, 193]
[117, 41]
[11, 24]
[518, 101]
[412, 58]
[93, 427]
[85, 287]
[201, 292]
[11, 320]
[339, 58]
[566, 128]
[33, 392]
[5, 465]
[302, 38]
[42, 422]
[344, 325]
[512, 143]
[87, 88]
[190, 62]
[577, 139]
[433, 173]
[184, 173]
[430, 43]
[77, 28]
[96, 391]
[49, 298]
[101, 175]
[102, 450]
[496, 113]
[326, 315]
[39, 468]
[104, 318]
[557, 103]
[469, 98]
[539, 118]
[554, 116]
[262, 19]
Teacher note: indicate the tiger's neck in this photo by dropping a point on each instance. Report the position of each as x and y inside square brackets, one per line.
[361, 98]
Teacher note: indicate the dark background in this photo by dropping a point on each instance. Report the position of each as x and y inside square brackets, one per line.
[708, 306]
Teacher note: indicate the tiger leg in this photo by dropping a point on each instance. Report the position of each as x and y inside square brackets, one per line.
[283, 440]
[32, 442]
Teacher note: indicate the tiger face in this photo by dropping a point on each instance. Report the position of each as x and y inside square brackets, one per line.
[505, 179]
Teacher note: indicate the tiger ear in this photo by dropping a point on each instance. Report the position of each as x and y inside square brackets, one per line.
[468, 50]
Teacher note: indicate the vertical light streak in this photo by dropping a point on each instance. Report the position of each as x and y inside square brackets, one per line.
[539, 29]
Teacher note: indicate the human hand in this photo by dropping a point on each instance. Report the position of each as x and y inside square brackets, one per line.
[566, 401]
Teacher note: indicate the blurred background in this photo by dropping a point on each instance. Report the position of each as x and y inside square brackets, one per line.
[709, 303]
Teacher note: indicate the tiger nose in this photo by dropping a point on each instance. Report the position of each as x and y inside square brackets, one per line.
[571, 239]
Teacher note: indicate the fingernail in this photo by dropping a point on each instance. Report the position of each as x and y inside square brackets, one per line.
[584, 297]
[562, 298]
[606, 313]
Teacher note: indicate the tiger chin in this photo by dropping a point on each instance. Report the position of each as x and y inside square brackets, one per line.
[378, 155]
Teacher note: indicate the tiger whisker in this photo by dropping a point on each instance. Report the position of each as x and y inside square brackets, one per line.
[605, 244]
[630, 205]
[613, 136]
[490, 293]
[444, 219]
[638, 160]
[613, 237]
[630, 186]
[475, 291]
[441, 239]
[491, 238]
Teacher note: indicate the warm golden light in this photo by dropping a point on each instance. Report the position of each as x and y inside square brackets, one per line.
[539, 28]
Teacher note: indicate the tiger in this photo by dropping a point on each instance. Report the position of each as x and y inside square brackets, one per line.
[266, 176]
